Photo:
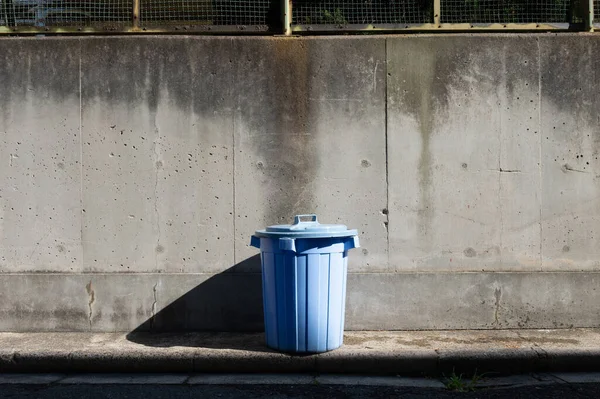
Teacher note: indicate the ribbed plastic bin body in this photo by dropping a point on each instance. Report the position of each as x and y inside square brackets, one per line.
[304, 291]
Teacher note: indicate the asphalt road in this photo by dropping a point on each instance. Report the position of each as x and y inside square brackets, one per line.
[57, 391]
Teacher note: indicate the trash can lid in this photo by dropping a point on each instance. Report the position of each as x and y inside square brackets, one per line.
[306, 229]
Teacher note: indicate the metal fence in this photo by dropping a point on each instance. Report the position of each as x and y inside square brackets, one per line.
[110, 14]
[360, 12]
[505, 11]
[389, 15]
[197, 13]
[287, 16]
[73, 16]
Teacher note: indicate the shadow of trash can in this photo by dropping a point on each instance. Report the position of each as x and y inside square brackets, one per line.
[304, 269]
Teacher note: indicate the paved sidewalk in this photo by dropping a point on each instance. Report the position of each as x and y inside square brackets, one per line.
[383, 352]
[292, 386]
[282, 386]
[442, 382]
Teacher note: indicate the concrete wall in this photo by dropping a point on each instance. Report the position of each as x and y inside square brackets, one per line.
[133, 171]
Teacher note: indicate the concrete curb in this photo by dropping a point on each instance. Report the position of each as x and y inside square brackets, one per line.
[380, 364]
[479, 382]
[383, 353]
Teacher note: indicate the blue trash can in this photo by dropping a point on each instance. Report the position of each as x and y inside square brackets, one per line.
[304, 268]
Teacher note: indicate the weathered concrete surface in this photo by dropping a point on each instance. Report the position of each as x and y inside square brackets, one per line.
[30, 379]
[570, 150]
[251, 379]
[226, 384]
[158, 155]
[40, 212]
[310, 137]
[363, 352]
[147, 162]
[139, 379]
[472, 300]
[44, 302]
[153, 148]
[495, 137]
[126, 302]
[464, 137]
[233, 301]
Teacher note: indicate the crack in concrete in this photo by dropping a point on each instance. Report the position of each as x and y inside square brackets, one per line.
[559, 379]
[91, 300]
[153, 310]
[502, 94]
[464, 218]
[233, 186]
[37, 244]
[387, 165]
[541, 352]
[155, 300]
[498, 295]
[568, 168]
[501, 170]
[157, 166]
[540, 169]
[81, 171]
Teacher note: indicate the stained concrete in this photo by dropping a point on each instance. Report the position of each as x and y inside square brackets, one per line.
[30, 379]
[138, 379]
[310, 138]
[570, 150]
[126, 302]
[252, 379]
[183, 140]
[416, 353]
[463, 139]
[40, 178]
[501, 150]
[44, 302]
[136, 168]
[233, 301]
[472, 300]
[158, 156]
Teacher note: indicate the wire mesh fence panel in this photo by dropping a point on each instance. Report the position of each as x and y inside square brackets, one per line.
[309, 12]
[506, 11]
[115, 15]
[597, 11]
[102, 14]
[208, 12]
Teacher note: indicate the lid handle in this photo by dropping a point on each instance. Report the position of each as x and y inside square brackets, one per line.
[312, 216]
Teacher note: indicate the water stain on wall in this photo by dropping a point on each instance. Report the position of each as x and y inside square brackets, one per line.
[278, 116]
[416, 85]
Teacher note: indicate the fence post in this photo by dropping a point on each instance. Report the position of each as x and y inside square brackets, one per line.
[286, 9]
[437, 10]
[136, 14]
[589, 16]
[7, 13]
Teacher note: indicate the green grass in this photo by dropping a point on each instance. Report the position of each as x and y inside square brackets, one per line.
[458, 383]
